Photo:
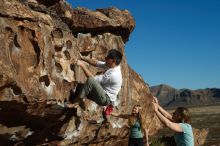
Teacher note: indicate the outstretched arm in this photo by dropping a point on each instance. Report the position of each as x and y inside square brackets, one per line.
[162, 111]
[90, 61]
[173, 126]
[124, 116]
[85, 69]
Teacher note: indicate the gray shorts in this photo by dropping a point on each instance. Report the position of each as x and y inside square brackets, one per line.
[94, 91]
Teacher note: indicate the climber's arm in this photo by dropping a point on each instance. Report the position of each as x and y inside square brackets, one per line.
[124, 116]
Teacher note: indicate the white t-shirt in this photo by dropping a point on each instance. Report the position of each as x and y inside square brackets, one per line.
[111, 80]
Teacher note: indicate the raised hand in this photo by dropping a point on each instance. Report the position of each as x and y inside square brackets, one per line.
[81, 57]
[80, 63]
[155, 105]
[155, 99]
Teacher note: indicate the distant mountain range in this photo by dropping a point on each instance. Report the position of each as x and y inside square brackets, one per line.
[171, 97]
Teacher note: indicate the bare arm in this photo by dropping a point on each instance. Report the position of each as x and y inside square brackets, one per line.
[90, 61]
[146, 133]
[85, 69]
[165, 113]
[173, 126]
[162, 111]
[124, 116]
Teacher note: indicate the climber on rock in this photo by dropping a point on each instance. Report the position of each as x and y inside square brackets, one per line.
[104, 88]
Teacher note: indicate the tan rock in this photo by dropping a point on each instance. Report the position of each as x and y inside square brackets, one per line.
[38, 46]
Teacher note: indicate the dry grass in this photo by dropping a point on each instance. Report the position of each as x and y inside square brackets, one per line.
[207, 117]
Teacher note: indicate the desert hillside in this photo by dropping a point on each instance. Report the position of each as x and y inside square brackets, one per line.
[171, 97]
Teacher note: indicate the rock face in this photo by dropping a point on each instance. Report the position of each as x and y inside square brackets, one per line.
[171, 97]
[39, 40]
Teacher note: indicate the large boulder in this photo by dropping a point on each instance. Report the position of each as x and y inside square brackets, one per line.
[39, 40]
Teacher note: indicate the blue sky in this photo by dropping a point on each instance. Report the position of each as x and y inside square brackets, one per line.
[175, 42]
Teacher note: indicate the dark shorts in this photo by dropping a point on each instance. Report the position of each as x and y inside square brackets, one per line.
[135, 142]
